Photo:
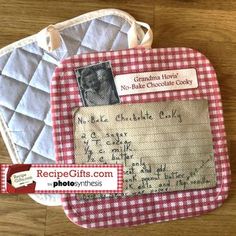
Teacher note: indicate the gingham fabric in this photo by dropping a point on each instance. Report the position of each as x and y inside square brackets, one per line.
[146, 208]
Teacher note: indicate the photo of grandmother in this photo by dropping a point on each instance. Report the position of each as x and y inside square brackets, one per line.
[97, 85]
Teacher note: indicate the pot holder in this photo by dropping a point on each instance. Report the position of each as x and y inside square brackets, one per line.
[26, 69]
[152, 207]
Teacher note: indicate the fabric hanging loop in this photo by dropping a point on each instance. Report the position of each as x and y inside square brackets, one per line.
[49, 38]
[136, 37]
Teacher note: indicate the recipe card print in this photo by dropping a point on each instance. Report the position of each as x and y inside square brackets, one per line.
[97, 86]
[164, 146]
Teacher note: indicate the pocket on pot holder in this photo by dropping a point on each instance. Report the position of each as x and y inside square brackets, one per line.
[167, 130]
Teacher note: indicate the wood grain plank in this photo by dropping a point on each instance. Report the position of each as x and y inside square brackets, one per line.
[4, 156]
[32, 17]
[7, 198]
[192, 23]
[21, 218]
[198, 4]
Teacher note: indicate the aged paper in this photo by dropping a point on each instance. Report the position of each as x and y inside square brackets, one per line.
[164, 146]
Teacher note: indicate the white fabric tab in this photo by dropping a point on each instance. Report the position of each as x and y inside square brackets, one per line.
[136, 37]
[49, 38]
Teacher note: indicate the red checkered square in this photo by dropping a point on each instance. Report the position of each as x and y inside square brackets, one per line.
[147, 208]
[3, 168]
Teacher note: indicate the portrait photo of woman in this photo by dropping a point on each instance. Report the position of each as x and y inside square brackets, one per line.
[97, 85]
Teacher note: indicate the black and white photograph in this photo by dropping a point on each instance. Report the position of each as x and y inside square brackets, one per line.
[96, 83]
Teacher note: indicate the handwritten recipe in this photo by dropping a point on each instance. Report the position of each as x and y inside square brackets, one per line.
[164, 146]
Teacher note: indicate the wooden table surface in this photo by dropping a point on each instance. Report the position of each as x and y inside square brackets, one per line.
[208, 26]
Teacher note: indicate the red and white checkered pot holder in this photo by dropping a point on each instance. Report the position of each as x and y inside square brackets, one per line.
[146, 208]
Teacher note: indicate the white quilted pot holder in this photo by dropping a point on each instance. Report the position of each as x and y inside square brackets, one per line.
[26, 68]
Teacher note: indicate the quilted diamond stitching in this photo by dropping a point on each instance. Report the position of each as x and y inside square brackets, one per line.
[71, 44]
[33, 157]
[117, 45]
[21, 65]
[36, 80]
[29, 67]
[35, 103]
[22, 153]
[33, 49]
[4, 60]
[84, 49]
[40, 78]
[27, 129]
[11, 98]
[43, 148]
[7, 113]
[118, 23]
[93, 38]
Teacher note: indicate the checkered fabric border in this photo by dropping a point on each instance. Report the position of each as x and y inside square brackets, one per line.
[3, 167]
[147, 208]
